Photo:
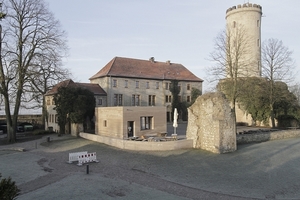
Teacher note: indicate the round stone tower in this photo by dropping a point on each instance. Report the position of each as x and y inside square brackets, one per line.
[248, 17]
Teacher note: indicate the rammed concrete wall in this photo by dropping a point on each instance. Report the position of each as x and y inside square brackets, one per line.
[211, 124]
[139, 145]
[113, 121]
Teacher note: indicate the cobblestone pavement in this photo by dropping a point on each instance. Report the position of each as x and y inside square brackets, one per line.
[267, 170]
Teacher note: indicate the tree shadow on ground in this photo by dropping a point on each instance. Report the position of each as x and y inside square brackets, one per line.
[21, 137]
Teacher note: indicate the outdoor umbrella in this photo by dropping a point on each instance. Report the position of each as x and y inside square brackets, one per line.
[175, 124]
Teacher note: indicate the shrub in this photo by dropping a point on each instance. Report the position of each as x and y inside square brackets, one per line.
[42, 132]
[8, 189]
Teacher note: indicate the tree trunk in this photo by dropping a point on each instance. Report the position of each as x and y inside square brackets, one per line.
[44, 113]
[272, 116]
[11, 134]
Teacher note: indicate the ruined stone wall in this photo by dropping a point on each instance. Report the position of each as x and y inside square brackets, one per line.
[211, 124]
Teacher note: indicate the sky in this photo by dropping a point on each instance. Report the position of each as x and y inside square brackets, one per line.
[182, 31]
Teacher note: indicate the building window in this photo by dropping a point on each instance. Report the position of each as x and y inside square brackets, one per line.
[188, 86]
[56, 118]
[157, 85]
[151, 100]
[105, 123]
[126, 83]
[258, 42]
[168, 98]
[48, 101]
[137, 84]
[167, 86]
[115, 83]
[188, 98]
[147, 85]
[135, 100]
[146, 123]
[99, 101]
[179, 87]
[179, 98]
[257, 23]
[118, 99]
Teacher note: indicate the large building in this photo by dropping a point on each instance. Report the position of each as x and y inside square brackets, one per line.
[135, 82]
[244, 24]
[131, 82]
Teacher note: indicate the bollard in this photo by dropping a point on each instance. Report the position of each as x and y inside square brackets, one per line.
[87, 169]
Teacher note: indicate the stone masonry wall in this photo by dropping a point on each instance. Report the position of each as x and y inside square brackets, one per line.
[211, 124]
[263, 136]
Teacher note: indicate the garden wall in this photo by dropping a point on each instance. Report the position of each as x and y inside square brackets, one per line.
[263, 136]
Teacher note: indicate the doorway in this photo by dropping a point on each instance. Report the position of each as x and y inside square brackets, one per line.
[130, 128]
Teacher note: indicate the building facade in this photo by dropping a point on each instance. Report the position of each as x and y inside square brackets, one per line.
[134, 82]
[51, 120]
[130, 121]
[143, 85]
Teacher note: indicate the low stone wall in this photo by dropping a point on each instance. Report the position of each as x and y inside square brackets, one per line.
[263, 136]
[139, 145]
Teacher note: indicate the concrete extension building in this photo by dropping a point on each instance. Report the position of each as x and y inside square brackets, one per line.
[130, 121]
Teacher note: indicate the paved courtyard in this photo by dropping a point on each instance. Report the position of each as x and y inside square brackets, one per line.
[267, 170]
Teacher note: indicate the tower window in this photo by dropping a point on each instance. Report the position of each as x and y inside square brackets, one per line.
[258, 43]
[257, 23]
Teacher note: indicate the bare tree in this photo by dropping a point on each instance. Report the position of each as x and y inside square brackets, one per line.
[230, 58]
[42, 76]
[30, 31]
[277, 65]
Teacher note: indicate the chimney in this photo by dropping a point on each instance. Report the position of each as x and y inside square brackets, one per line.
[152, 59]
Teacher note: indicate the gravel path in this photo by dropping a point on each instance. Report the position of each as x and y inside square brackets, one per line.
[258, 171]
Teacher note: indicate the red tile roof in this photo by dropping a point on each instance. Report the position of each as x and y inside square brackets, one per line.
[95, 88]
[148, 69]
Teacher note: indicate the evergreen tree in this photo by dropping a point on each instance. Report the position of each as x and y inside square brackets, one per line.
[8, 189]
[73, 104]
